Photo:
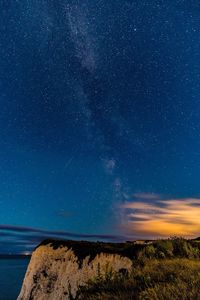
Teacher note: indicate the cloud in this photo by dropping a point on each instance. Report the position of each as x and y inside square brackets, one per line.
[146, 196]
[160, 218]
[17, 239]
[64, 213]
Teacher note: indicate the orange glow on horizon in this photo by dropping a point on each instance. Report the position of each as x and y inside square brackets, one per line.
[163, 218]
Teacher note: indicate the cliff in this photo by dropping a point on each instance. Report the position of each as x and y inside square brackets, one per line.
[58, 268]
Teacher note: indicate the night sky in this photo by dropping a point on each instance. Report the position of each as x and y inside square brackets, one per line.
[99, 120]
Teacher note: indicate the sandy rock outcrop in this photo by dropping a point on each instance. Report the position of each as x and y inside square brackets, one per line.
[57, 269]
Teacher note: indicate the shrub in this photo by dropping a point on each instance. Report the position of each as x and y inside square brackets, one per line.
[184, 248]
[166, 247]
[157, 280]
[150, 251]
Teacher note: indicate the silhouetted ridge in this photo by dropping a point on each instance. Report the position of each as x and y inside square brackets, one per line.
[82, 249]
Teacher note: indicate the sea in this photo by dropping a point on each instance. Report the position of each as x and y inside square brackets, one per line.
[12, 273]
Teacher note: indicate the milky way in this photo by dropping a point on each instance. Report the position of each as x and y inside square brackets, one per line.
[99, 103]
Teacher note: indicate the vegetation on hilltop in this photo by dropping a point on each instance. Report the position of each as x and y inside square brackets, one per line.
[164, 270]
[177, 279]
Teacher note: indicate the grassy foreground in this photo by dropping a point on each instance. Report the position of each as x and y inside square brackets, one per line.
[163, 270]
[167, 279]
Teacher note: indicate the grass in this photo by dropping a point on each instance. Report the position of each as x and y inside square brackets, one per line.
[163, 270]
[165, 279]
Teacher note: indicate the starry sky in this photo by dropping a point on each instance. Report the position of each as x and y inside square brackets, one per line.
[99, 120]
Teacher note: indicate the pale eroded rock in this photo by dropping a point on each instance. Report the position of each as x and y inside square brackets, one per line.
[54, 272]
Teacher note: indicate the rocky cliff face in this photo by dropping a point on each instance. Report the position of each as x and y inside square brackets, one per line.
[57, 268]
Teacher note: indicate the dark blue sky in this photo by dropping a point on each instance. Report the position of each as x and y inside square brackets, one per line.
[100, 103]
